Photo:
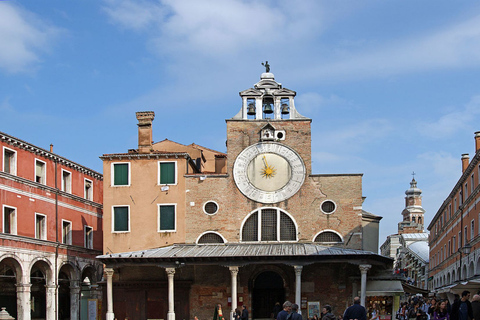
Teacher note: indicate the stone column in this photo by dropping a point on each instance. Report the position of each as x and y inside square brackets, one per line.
[51, 301]
[298, 287]
[233, 273]
[363, 286]
[75, 289]
[24, 300]
[109, 274]
[171, 305]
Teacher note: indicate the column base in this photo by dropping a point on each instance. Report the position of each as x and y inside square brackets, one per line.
[110, 316]
[171, 316]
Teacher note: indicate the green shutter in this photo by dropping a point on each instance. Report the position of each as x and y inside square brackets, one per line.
[120, 171]
[120, 222]
[167, 218]
[167, 173]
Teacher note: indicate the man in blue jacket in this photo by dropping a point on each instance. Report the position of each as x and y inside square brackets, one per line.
[355, 311]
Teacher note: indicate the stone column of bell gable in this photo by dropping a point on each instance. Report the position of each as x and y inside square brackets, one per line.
[24, 299]
[233, 273]
[298, 287]
[363, 286]
[171, 296]
[75, 290]
[109, 273]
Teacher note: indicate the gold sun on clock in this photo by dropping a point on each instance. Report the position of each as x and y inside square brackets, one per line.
[267, 171]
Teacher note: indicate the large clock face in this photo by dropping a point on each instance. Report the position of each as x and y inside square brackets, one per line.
[269, 172]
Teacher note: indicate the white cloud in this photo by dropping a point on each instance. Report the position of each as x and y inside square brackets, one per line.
[453, 122]
[455, 46]
[136, 15]
[23, 37]
[312, 102]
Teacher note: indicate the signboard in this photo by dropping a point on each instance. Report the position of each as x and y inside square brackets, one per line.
[313, 308]
[92, 309]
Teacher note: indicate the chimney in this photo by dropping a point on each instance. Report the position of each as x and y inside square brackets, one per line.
[477, 141]
[51, 147]
[145, 119]
[465, 161]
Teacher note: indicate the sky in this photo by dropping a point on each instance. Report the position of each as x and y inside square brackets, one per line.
[392, 87]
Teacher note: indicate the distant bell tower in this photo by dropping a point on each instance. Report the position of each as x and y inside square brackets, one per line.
[413, 214]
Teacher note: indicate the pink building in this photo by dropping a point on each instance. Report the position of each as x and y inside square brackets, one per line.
[51, 231]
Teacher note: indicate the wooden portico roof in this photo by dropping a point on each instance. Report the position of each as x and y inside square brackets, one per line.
[244, 253]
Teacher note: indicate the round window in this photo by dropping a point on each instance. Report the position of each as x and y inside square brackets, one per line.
[328, 206]
[210, 207]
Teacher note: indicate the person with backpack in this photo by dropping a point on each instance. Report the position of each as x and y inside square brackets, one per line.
[294, 315]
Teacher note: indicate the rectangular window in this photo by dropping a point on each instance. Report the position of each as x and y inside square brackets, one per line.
[88, 237]
[9, 220]
[472, 229]
[167, 172]
[66, 232]
[472, 183]
[66, 181]
[9, 161]
[450, 211]
[40, 226]
[88, 189]
[459, 239]
[466, 192]
[121, 174]
[449, 248]
[454, 247]
[121, 219]
[465, 235]
[167, 219]
[40, 171]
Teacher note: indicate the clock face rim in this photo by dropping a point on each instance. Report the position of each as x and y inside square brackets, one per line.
[240, 173]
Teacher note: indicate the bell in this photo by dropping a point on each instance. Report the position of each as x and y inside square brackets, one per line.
[267, 108]
[285, 108]
[251, 109]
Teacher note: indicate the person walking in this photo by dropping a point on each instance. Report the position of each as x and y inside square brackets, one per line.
[244, 315]
[476, 307]
[294, 315]
[355, 311]
[462, 309]
[374, 314]
[328, 315]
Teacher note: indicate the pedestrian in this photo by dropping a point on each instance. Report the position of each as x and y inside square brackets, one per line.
[328, 315]
[244, 315]
[218, 315]
[276, 309]
[355, 311]
[402, 312]
[374, 314]
[287, 308]
[462, 309]
[476, 307]
[441, 312]
[294, 315]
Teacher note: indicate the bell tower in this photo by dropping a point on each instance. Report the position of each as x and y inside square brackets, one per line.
[413, 214]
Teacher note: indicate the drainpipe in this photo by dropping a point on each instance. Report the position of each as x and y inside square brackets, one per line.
[56, 240]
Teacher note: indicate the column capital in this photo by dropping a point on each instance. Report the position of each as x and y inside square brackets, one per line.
[364, 268]
[23, 287]
[108, 272]
[170, 271]
[233, 270]
[298, 268]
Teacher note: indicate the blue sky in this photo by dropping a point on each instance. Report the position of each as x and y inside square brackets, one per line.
[392, 86]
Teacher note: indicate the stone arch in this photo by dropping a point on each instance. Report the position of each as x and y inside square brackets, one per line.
[89, 272]
[13, 262]
[478, 266]
[449, 279]
[268, 288]
[335, 236]
[464, 273]
[471, 269]
[11, 275]
[42, 280]
[210, 237]
[453, 276]
[249, 229]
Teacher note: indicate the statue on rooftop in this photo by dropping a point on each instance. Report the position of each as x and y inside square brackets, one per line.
[267, 66]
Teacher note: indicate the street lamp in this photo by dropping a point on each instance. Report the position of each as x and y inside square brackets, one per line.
[466, 249]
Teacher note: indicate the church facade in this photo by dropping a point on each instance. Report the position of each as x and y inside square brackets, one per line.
[190, 227]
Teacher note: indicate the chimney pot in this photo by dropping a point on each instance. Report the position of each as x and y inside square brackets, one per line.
[477, 141]
[145, 119]
[465, 161]
[51, 147]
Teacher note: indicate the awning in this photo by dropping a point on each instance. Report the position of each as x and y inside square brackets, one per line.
[384, 287]
[412, 289]
[471, 285]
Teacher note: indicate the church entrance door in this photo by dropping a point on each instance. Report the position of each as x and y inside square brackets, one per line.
[267, 290]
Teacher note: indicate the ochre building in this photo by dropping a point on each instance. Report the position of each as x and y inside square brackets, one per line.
[188, 227]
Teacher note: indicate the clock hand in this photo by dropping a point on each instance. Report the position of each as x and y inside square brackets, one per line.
[265, 160]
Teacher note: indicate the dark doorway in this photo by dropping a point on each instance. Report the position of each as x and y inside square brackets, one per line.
[267, 290]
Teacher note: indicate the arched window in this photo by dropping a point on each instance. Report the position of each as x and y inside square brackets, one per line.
[328, 237]
[210, 237]
[269, 224]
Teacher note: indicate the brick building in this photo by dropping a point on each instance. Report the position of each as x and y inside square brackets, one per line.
[454, 233]
[51, 232]
[188, 227]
